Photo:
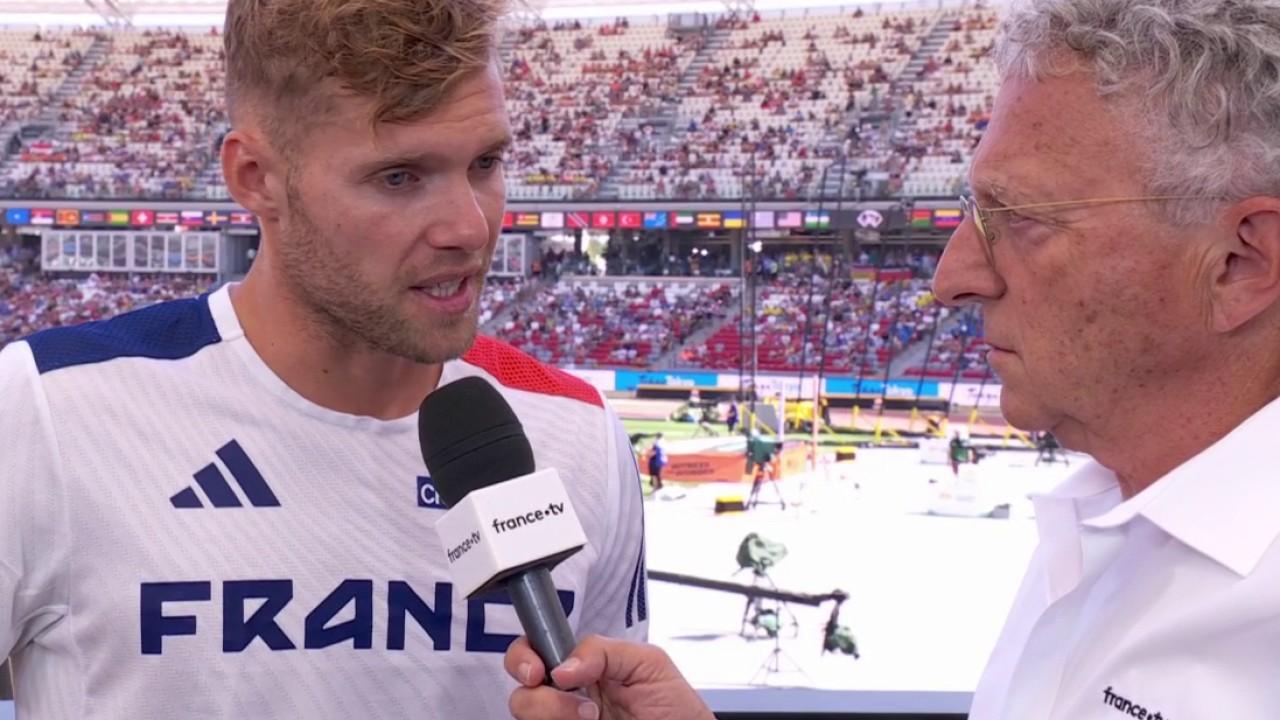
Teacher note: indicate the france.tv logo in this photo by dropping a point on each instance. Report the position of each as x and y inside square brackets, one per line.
[427, 495]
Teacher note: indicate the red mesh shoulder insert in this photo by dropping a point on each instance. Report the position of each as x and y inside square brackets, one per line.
[518, 371]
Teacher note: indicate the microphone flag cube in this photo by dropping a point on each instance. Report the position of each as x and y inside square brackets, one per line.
[497, 531]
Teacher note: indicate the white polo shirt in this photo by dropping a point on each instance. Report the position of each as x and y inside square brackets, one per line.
[1165, 606]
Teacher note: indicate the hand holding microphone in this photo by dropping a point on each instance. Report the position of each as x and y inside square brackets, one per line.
[629, 681]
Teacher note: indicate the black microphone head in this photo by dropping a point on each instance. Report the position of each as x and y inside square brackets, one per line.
[470, 438]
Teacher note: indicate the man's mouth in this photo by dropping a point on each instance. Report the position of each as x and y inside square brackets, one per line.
[443, 289]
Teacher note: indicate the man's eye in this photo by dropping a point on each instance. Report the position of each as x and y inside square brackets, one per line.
[397, 179]
[489, 162]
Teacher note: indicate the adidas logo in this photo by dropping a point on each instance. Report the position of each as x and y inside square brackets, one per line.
[219, 492]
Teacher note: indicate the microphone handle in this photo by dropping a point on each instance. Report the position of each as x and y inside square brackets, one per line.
[542, 616]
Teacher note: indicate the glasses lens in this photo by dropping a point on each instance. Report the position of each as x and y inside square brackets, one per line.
[970, 207]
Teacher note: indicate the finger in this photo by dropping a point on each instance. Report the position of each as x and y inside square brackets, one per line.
[545, 703]
[597, 658]
[523, 664]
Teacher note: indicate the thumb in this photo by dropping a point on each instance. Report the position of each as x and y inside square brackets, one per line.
[600, 659]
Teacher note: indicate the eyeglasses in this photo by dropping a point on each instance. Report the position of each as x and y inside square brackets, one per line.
[982, 216]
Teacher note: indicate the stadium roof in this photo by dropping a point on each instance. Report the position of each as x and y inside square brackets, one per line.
[207, 12]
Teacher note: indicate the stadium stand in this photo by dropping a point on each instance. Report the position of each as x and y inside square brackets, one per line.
[621, 109]
[773, 103]
[627, 109]
[499, 294]
[30, 302]
[946, 106]
[613, 323]
[568, 89]
[143, 124]
[864, 332]
[35, 65]
[957, 352]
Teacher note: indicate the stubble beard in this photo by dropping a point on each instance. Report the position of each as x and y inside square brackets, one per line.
[351, 311]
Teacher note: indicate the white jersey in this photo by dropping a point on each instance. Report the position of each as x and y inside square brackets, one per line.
[184, 536]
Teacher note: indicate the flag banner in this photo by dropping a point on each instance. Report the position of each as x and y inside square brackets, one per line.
[947, 218]
[708, 221]
[790, 219]
[817, 220]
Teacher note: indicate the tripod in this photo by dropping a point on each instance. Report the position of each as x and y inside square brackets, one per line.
[777, 661]
[770, 618]
[764, 472]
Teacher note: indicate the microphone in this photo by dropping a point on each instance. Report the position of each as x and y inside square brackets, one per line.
[507, 524]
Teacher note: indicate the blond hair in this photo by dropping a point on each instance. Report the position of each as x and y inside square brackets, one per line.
[404, 55]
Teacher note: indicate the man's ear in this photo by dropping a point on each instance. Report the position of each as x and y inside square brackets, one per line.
[1246, 278]
[254, 174]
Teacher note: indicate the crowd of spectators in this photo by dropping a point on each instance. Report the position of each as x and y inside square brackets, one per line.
[30, 301]
[499, 294]
[568, 89]
[772, 104]
[946, 109]
[144, 123]
[862, 324]
[958, 351]
[769, 111]
[33, 65]
[613, 324]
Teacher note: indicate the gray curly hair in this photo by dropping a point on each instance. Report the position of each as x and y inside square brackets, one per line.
[1210, 69]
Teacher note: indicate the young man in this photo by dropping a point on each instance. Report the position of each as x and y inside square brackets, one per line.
[217, 507]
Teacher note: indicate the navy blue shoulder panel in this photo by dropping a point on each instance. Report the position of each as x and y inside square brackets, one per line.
[167, 331]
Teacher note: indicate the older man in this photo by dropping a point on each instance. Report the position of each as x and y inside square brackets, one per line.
[1123, 242]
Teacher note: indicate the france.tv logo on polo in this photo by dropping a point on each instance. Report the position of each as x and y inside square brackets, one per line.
[427, 495]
